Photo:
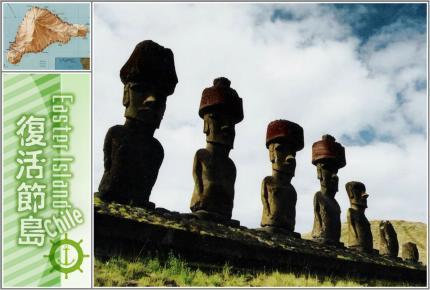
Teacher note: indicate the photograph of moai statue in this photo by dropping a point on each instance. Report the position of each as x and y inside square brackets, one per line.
[260, 144]
[132, 156]
[328, 156]
[214, 173]
[283, 139]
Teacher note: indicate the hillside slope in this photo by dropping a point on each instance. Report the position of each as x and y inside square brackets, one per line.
[415, 232]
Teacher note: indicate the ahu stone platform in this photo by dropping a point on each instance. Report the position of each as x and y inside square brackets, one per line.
[122, 230]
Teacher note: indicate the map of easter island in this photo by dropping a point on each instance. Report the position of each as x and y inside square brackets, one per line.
[38, 30]
[53, 36]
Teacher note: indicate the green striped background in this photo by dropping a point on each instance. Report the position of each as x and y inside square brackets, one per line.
[24, 94]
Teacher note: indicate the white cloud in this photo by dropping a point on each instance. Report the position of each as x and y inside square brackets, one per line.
[309, 70]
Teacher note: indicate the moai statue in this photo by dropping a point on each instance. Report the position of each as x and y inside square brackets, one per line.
[214, 172]
[283, 139]
[388, 243]
[328, 156]
[132, 156]
[359, 233]
[410, 252]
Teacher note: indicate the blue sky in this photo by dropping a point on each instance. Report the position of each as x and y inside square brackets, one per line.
[365, 21]
[369, 19]
[355, 71]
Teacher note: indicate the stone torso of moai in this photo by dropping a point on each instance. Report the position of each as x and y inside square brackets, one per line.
[328, 156]
[279, 198]
[410, 252]
[359, 233]
[214, 172]
[388, 243]
[132, 156]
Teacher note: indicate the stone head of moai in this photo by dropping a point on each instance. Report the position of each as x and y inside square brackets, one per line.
[328, 156]
[221, 109]
[410, 252]
[283, 139]
[148, 76]
[214, 172]
[359, 233]
[388, 243]
[132, 156]
[357, 195]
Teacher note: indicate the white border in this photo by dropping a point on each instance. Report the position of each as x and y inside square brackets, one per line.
[9, 71]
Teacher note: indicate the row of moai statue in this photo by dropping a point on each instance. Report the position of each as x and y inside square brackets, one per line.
[132, 158]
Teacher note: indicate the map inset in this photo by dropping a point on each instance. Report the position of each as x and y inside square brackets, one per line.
[45, 36]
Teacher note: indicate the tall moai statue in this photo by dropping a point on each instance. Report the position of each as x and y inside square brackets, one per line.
[410, 252]
[279, 198]
[328, 156]
[388, 243]
[132, 156]
[359, 234]
[214, 172]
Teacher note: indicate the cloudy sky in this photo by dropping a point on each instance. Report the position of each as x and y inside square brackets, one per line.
[357, 72]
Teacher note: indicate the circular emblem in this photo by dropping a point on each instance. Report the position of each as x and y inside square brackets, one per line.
[66, 256]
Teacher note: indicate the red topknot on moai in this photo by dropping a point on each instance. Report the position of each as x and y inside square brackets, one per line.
[213, 171]
[283, 139]
[328, 156]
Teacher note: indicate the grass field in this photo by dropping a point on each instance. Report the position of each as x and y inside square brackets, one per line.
[176, 272]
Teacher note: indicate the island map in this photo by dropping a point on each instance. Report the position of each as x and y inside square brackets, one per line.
[48, 36]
